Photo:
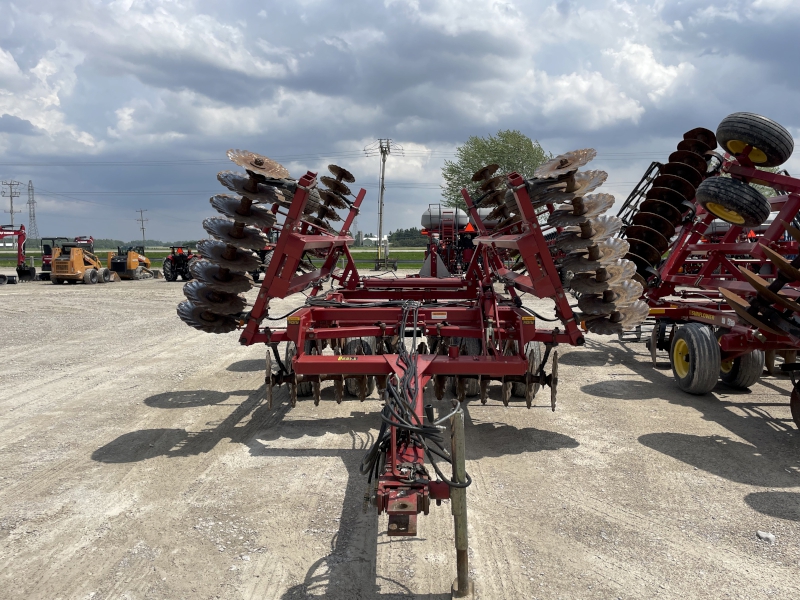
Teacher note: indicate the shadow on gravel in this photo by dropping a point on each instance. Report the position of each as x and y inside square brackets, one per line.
[349, 570]
[497, 439]
[724, 457]
[186, 399]
[781, 505]
[247, 366]
[760, 450]
[583, 358]
[151, 443]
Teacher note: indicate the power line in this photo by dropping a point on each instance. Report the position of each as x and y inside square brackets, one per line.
[142, 220]
[11, 194]
[384, 147]
[410, 153]
[33, 230]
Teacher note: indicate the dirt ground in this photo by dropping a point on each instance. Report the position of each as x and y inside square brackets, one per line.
[138, 460]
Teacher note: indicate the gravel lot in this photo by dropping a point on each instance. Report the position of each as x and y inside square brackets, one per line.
[138, 460]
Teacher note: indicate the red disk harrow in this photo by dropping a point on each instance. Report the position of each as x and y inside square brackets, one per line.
[461, 332]
[719, 260]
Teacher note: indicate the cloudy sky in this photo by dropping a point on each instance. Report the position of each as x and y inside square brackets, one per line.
[114, 106]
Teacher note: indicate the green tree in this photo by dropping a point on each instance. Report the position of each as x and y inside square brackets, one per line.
[511, 149]
[408, 238]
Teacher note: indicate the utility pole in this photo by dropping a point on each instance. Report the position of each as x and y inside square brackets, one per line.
[384, 147]
[33, 230]
[12, 193]
[142, 220]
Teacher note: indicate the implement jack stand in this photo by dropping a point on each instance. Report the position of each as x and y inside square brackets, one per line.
[463, 586]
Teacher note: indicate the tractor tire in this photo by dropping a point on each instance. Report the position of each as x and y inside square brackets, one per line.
[3, 279]
[90, 277]
[351, 347]
[472, 347]
[733, 201]
[103, 276]
[744, 371]
[186, 274]
[170, 273]
[517, 388]
[772, 144]
[695, 358]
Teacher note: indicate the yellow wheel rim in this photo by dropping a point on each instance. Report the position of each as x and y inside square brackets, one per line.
[756, 155]
[731, 216]
[681, 358]
[726, 366]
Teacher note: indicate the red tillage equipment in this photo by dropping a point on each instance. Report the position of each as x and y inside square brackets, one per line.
[25, 272]
[724, 298]
[462, 329]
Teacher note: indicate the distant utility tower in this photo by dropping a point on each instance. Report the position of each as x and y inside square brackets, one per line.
[11, 194]
[384, 147]
[142, 220]
[33, 229]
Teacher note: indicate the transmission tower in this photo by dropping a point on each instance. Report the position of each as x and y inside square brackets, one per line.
[12, 193]
[384, 147]
[33, 230]
[142, 220]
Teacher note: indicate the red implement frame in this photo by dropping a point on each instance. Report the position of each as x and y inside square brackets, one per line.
[445, 312]
[719, 262]
[358, 308]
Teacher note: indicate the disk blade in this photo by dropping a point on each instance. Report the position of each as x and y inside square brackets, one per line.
[219, 253]
[565, 163]
[602, 228]
[260, 164]
[236, 182]
[250, 238]
[341, 173]
[485, 172]
[204, 320]
[220, 279]
[257, 216]
[220, 303]
[334, 185]
[580, 210]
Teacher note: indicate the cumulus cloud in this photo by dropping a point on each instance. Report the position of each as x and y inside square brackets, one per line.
[127, 80]
[12, 124]
[638, 63]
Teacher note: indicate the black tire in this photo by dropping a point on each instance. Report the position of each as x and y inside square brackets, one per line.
[744, 371]
[351, 347]
[103, 276]
[695, 358]
[517, 388]
[90, 277]
[472, 347]
[3, 279]
[187, 272]
[170, 272]
[772, 144]
[733, 201]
